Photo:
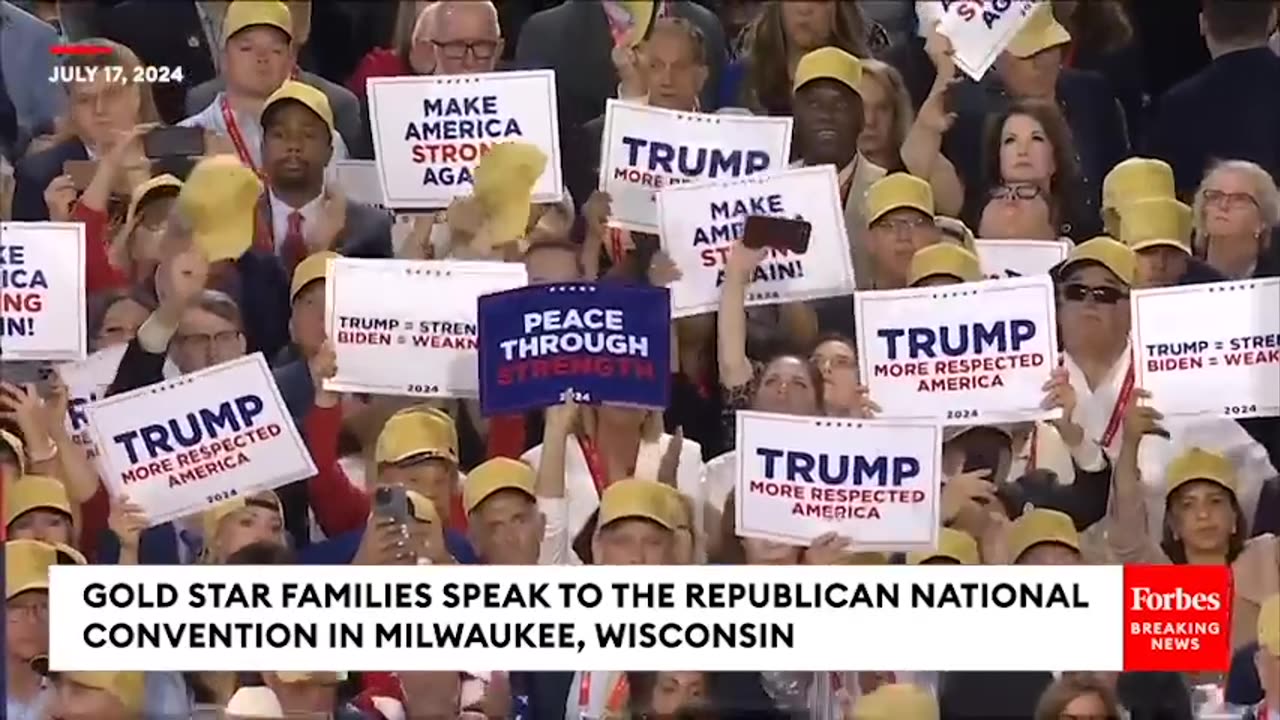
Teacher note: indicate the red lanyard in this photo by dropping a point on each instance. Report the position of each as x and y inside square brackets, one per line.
[1032, 442]
[615, 702]
[233, 129]
[1117, 412]
[594, 464]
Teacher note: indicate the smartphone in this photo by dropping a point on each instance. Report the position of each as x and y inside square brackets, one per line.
[167, 142]
[761, 231]
[391, 502]
[81, 172]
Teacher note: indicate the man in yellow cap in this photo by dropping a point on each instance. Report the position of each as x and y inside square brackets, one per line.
[827, 105]
[257, 58]
[145, 224]
[1043, 537]
[900, 222]
[26, 638]
[503, 520]
[1093, 286]
[294, 377]
[303, 214]
[37, 508]
[417, 449]
[1158, 229]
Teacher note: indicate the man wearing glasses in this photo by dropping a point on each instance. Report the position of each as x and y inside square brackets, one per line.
[467, 38]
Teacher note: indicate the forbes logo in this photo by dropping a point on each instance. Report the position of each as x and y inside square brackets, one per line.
[1147, 599]
[1176, 618]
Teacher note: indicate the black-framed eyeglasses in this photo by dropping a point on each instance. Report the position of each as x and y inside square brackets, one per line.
[458, 49]
[201, 342]
[1238, 199]
[1020, 191]
[1101, 294]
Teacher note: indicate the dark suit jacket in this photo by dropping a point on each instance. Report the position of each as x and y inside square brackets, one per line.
[574, 40]
[346, 109]
[33, 174]
[164, 33]
[1229, 110]
[367, 233]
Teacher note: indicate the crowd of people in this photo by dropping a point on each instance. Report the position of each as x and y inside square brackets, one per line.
[1151, 182]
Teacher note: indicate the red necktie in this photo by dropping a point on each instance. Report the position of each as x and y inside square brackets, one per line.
[294, 248]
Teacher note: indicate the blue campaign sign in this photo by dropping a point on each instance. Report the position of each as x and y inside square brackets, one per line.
[606, 343]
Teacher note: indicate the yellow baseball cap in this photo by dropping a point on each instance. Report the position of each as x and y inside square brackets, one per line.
[829, 63]
[943, 259]
[243, 14]
[898, 701]
[1199, 464]
[210, 519]
[128, 687]
[1136, 178]
[504, 180]
[27, 563]
[313, 267]
[632, 498]
[1038, 526]
[35, 492]
[421, 507]
[899, 190]
[417, 433]
[219, 199]
[1041, 32]
[300, 92]
[141, 192]
[952, 545]
[1269, 625]
[17, 447]
[955, 228]
[1107, 252]
[1156, 221]
[495, 475]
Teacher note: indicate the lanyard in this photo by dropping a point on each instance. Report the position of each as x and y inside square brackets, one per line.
[237, 139]
[1032, 442]
[594, 464]
[1117, 412]
[617, 696]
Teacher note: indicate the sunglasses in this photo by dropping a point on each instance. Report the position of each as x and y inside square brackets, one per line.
[1103, 294]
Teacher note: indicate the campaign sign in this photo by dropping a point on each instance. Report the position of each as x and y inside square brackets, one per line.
[701, 222]
[876, 482]
[430, 131]
[408, 327]
[42, 312]
[1020, 258]
[961, 354]
[981, 29]
[86, 382]
[180, 446]
[644, 149]
[359, 182]
[606, 343]
[1209, 350]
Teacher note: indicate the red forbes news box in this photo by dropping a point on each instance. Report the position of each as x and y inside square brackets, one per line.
[1177, 618]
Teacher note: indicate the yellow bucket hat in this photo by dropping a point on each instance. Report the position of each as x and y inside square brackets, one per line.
[210, 519]
[27, 563]
[1137, 178]
[1154, 222]
[219, 199]
[899, 701]
[504, 180]
[35, 492]
[417, 432]
[1041, 32]
[313, 267]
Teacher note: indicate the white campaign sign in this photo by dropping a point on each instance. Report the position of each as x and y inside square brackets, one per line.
[800, 477]
[359, 182]
[961, 354]
[644, 149]
[1020, 258]
[1209, 350]
[42, 291]
[87, 381]
[981, 29]
[700, 223]
[180, 446]
[429, 131]
[408, 327]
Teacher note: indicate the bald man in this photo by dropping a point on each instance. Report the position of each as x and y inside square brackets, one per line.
[466, 36]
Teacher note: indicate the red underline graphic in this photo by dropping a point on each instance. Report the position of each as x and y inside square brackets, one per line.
[79, 50]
